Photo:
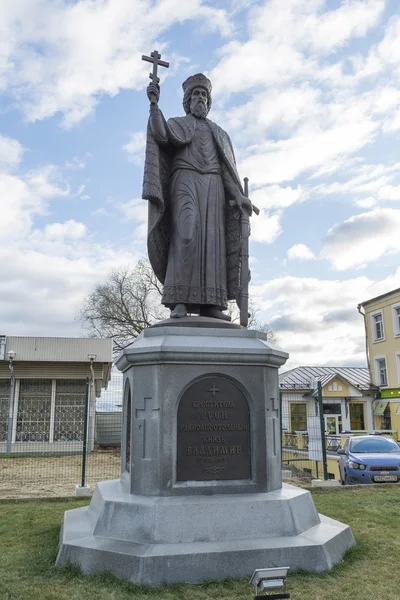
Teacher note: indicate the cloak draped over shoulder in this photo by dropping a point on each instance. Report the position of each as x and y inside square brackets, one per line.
[189, 200]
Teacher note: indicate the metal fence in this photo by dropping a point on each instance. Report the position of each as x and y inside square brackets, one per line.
[55, 434]
[307, 451]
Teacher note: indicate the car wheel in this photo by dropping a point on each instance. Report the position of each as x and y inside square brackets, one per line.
[346, 479]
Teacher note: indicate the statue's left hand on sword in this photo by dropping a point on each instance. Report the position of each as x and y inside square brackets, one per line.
[244, 203]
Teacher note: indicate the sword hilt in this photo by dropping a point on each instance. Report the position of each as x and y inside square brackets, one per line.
[246, 193]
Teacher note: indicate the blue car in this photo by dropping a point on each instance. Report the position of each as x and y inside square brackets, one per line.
[369, 459]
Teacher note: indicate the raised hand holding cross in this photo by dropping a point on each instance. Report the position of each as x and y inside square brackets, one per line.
[155, 59]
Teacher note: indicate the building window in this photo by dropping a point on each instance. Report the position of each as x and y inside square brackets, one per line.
[377, 326]
[2, 347]
[396, 319]
[34, 409]
[298, 416]
[386, 419]
[357, 417]
[69, 410]
[4, 405]
[381, 371]
[398, 367]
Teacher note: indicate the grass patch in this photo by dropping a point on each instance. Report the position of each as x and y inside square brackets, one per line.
[29, 531]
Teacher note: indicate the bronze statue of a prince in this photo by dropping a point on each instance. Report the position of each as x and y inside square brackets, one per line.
[194, 193]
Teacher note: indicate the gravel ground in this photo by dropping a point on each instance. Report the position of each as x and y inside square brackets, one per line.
[52, 476]
[56, 476]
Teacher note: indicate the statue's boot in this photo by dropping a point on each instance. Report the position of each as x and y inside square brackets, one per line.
[179, 311]
[214, 312]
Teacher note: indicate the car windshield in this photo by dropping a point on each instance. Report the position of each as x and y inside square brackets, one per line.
[373, 445]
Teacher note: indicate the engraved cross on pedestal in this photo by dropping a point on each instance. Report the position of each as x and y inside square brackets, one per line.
[145, 417]
[213, 390]
[273, 415]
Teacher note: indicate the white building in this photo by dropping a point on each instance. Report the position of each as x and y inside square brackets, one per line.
[347, 394]
[42, 391]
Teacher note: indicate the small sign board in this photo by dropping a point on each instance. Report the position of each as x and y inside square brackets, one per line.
[379, 408]
[314, 438]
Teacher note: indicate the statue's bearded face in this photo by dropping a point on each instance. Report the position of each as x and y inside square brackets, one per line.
[199, 102]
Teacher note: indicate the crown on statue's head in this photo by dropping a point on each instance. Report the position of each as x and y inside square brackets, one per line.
[198, 80]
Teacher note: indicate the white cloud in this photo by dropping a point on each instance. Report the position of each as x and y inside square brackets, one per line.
[11, 153]
[136, 147]
[265, 227]
[369, 202]
[363, 238]
[392, 123]
[43, 288]
[287, 39]
[351, 19]
[389, 192]
[24, 197]
[279, 108]
[311, 324]
[61, 56]
[383, 55]
[284, 160]
[135, 210]
[374, 180]
[300, 252]
[275, 196]
[46, 182]
[61, 231]
[312, 106]
[76, 163]
[45, 273]
[100, 212]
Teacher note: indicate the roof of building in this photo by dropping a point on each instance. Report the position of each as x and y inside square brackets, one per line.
[55, 349]
[393, 293]
[306, 378]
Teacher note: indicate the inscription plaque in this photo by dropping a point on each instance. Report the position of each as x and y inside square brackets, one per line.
[213, 432]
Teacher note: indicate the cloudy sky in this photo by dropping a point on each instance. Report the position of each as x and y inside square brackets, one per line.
[308, 91]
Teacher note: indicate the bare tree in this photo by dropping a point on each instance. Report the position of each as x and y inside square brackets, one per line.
[124, 305]
[130, 300]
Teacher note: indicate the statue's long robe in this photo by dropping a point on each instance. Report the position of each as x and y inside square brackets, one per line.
[194, 234]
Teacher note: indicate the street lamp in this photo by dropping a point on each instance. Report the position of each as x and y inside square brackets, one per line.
[11, 355]
[92, 358]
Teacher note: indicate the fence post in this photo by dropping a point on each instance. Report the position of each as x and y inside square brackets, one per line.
[11, 407]
[322, 424]
[85, 431]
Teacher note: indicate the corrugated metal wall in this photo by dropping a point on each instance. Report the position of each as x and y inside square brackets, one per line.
[59, 349]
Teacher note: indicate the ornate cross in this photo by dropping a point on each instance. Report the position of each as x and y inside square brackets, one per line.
[155, 59]
[213, 390]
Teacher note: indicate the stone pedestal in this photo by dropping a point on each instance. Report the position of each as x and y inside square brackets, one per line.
[200, 495]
